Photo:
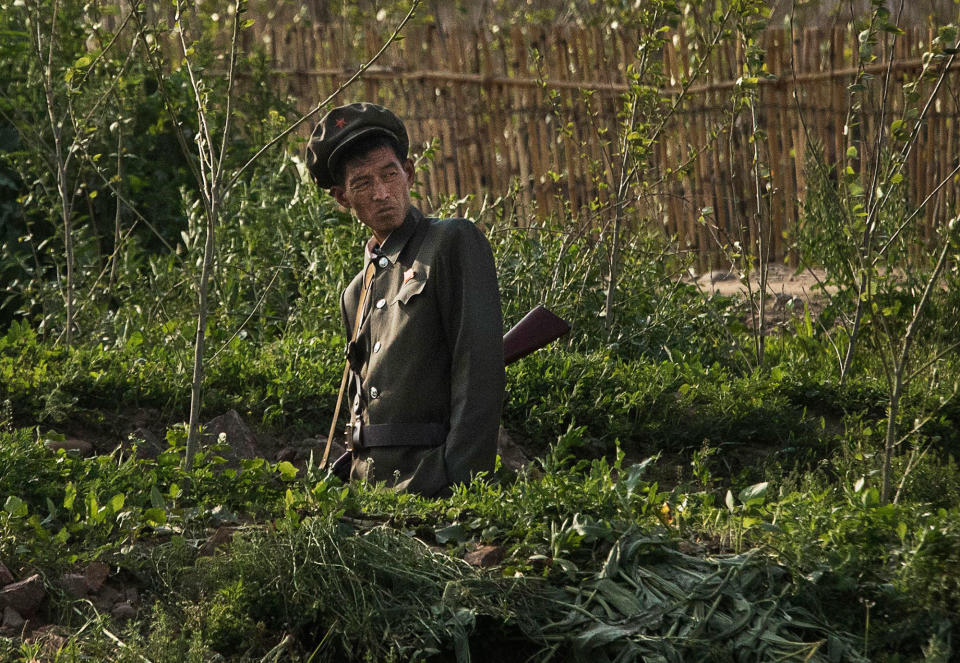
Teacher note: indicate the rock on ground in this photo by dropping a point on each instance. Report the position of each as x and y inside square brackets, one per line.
[24, 596]
[95, 575]
[12, 619]
[6, 577]
[511, 455]
[123, 611]
[484, 556]
[75, 585]
[240, 439]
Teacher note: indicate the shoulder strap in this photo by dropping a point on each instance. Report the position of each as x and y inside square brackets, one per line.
[367, 281]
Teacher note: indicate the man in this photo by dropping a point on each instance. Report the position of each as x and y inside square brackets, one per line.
[422, 318]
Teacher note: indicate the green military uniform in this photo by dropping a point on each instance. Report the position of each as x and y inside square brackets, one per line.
[427, 374]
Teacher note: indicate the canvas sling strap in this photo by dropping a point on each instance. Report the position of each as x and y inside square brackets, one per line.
[367, 281]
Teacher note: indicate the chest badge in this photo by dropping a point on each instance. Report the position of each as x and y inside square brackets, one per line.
[408, 275]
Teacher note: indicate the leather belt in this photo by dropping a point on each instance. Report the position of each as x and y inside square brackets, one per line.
[368, 436]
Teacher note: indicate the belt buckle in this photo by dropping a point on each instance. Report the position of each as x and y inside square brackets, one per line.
[354, 436]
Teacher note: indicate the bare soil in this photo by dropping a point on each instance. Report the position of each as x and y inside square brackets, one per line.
[790, 292]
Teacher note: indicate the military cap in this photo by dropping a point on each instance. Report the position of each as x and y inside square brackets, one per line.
[344, 125]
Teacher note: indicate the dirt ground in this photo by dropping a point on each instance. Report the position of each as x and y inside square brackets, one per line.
[791, 293]
[781, 282]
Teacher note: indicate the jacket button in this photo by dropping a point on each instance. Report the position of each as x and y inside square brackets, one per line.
[374, 392]
[383, 262]
[381, 303]
[376, 346]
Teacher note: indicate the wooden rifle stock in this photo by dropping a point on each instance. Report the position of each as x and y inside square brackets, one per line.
[537, 328]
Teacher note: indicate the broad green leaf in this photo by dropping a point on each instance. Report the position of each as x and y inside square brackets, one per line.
[155, 516]
[753, 492]
[16, 507]
[287, 471]
[624, 601]
[156, 499]
[450, 534]
[69, 495]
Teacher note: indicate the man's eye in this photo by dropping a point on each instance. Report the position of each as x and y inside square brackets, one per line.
[390, 176]
[363, 185]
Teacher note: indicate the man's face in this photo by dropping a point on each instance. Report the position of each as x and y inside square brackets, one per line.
[376, 187]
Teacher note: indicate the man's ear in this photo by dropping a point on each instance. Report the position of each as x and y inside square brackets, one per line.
[409, 170]
[338, 193]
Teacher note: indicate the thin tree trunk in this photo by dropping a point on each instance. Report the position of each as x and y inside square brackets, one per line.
[893, 410]
[115, 254]
[196, 387]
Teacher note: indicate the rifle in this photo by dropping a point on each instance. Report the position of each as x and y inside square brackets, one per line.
[536, 329]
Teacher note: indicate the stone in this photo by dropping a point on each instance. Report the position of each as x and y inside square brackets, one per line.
[240, 439]
[288, 454]
[96, 574]
[484, 556]
[75, 585]
[6, 578]
[149, 445]
[12, 619]
[337, 449]
[107, 598]
[512, 457]
[123, 611]
[24, 596]
[52, 639]
[222, 536]
[719, 275]
[81, 447]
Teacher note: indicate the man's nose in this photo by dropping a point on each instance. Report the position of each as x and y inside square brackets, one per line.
[380, 190]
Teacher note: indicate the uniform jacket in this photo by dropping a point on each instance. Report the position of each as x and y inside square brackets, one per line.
[428, 378]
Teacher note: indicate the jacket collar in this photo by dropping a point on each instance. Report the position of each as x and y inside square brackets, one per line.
[396, 241]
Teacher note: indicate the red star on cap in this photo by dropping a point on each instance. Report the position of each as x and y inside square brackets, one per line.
[341, 123]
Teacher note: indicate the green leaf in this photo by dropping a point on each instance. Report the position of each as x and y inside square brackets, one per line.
[599, 635]
[852, 152]
[135, 340]
[753, 492]
[156, 499]
[287, 471]
[450, 534]
[82, 62]
[16, 507]
[624, 601]
[155, 516]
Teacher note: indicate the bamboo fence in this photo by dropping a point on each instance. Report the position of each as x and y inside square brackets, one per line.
[524, 110]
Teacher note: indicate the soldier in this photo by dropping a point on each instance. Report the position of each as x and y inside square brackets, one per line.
[425, 355]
